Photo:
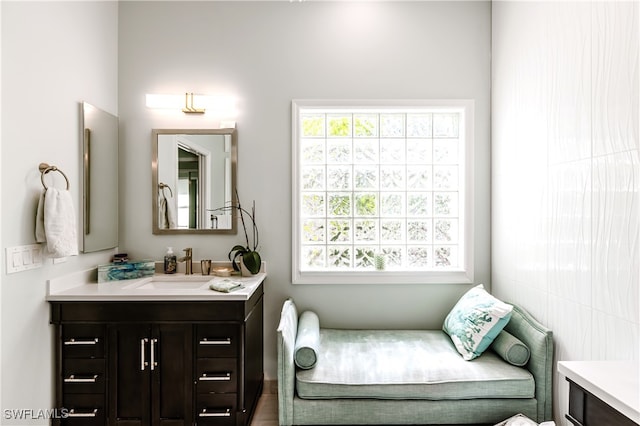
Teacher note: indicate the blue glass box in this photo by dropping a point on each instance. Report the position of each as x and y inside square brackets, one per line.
[126, 271]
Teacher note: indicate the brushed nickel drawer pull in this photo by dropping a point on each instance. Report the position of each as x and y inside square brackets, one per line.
[154, 363]
[225, 377]
[81, 342]
[226, 341]
[143, 363]
[80, 379]
[204, 413]
[73, 413]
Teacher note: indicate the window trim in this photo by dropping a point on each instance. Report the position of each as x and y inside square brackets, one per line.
[464, 275]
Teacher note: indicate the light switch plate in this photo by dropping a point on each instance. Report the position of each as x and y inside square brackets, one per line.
[23, 258]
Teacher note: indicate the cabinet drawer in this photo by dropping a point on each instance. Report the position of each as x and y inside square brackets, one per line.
[215, 341]
[219, 410]
[83, 376]
[84, 410]
[83, 341]
[216, 375]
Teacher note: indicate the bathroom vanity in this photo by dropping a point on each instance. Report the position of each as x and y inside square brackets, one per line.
[147, 352]
[602, 393]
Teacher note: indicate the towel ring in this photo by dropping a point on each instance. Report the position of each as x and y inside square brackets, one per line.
[45, 168]
[162, 186]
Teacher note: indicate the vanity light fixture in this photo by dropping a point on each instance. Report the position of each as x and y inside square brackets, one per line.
[174, 102]
[193, 104]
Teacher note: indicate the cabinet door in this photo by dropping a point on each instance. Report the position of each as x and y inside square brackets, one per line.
[171, 375]
[129, 375]
[150, 375]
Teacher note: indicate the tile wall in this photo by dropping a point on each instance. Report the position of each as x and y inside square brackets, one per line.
[566, 173]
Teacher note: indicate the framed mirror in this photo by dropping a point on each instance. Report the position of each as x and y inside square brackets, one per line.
[193, 180]
[100, 179]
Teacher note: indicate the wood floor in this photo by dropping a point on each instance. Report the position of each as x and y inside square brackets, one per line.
[267, 410]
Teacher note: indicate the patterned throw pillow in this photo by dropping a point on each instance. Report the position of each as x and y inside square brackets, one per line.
[475, 321]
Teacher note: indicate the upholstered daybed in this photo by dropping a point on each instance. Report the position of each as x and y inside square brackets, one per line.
[410, 376]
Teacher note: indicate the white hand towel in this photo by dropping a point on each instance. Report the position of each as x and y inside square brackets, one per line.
[40, 235]
[59, 223]
[225, 286]
[167, 219]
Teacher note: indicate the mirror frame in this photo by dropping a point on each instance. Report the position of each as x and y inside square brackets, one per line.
[154, 178]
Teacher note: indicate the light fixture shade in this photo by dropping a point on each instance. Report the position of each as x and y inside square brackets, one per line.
[164, 101]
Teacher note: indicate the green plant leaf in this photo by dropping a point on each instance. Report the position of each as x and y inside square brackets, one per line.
[236, 251]
[252, 261]
[238, 247]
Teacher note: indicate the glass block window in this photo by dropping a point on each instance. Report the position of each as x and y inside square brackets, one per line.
[382, 192]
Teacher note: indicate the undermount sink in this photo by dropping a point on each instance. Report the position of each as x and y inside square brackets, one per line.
[187, 282]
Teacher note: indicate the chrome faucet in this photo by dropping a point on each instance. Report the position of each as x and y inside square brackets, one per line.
[188, 260]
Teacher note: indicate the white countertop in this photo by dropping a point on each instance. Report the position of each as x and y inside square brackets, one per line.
[615, 382]
[81, 286]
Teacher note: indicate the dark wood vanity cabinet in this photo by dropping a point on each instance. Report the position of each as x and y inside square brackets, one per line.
[586, 409]
[158, 363]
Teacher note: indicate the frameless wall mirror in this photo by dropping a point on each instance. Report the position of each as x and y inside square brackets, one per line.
[193, 176]
[100, 179]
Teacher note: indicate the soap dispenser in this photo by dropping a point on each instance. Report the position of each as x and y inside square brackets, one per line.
[170, 261]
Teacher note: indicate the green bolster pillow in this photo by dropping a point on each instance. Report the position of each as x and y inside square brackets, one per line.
[307, 341]
[511, 349]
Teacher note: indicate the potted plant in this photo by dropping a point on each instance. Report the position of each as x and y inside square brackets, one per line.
[248, 253]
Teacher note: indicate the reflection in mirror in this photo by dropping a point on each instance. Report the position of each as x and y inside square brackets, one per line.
[193, 178]
[100, 181]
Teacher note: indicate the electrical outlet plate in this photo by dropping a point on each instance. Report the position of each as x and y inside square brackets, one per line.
[23, 258]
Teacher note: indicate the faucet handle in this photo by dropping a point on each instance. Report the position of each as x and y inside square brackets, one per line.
[188, 251]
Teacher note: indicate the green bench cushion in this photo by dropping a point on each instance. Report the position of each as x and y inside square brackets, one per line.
[406, 364]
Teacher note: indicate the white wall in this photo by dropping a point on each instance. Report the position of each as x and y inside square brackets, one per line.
[2, 267]
[54, 56]
[266, 54]
[565, 173]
